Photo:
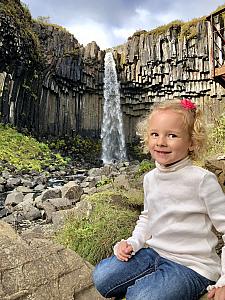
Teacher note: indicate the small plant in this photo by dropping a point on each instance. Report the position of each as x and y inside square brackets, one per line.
[145, 166]
[104, 182]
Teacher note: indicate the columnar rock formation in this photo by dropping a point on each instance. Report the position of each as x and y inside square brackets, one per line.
[52, 85]
[166, 65]
[57, 89]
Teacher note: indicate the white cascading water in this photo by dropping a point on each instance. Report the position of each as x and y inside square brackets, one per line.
[113, 141]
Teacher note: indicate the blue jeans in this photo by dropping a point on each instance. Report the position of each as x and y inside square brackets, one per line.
[148, 276]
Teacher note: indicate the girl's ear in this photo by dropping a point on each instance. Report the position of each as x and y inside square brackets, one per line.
[191, 146]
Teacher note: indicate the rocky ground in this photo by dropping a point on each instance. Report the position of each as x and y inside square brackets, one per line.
[36, 205]
[42, 198]
[33, 197]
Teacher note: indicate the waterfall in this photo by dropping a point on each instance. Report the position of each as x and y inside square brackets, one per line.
[113, 141]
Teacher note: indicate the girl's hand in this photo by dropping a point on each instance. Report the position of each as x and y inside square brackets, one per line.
[123, 251]
[217, 293]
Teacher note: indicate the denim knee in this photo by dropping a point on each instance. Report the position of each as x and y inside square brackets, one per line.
[99, 279]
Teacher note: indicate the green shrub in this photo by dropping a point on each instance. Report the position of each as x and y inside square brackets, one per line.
[216, 142]
[93, 237]
[77, 147]
[145, 166]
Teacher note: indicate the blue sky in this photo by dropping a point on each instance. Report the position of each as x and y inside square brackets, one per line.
[111, 22]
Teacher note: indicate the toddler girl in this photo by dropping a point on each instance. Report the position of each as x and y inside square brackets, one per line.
[171, 253]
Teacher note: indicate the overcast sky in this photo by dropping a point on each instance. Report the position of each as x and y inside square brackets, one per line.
[111, 22]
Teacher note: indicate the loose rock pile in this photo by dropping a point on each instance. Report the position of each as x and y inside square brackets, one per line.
[38, 198]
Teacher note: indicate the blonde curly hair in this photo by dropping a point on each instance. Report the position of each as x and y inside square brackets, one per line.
[192, 119]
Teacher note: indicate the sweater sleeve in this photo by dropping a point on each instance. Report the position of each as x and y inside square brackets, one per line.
[141, 231]
[214, 198]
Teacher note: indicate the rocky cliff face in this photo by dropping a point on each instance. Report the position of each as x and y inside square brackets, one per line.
[164, 65]
[58, 88]
[52, 85]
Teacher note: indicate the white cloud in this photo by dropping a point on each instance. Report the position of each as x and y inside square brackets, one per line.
[110, 23]
[87, 31]
[143, 15]
[122, 33]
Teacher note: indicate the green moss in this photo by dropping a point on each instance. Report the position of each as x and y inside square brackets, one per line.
[45, 22]
[134, 198]
[24, 152]
[139, 32]
[164, 28]
[93, 237]
[184, 29]
[218, 9]
[75, 53]
[189, 29]
[77, 147]
[104, 182]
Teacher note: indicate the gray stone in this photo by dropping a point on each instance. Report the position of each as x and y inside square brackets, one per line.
[28, 183]
[60, 203]
[72, 191]
[2, 180]
[122, 181]
[39, 188]
[51, 193]
[31, 213]
[39, 269]
[23, 189]
[13, 199]
[82, 209]
[13, 181]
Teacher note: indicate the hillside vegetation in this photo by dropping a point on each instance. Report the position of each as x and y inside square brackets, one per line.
[21, 152]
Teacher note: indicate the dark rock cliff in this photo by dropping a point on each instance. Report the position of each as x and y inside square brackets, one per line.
[53, 86]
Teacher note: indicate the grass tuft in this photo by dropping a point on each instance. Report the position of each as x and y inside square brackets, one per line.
[93, 237]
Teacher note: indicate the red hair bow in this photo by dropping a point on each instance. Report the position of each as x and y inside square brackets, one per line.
[187, 104]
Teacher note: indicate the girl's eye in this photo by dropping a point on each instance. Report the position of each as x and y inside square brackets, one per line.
[154, 134]
[172, 135]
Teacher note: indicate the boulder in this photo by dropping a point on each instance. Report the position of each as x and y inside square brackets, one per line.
[39, 269]
[13, 199]
[72, 191]
[216, 165]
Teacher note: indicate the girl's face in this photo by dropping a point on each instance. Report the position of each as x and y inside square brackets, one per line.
[168, 139]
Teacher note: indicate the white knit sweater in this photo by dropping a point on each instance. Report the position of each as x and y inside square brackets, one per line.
[182, 203]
